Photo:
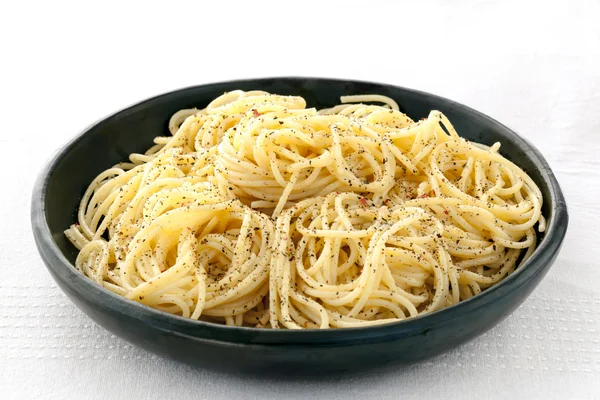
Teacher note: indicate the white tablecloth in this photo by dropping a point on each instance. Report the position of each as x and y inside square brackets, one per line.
[534, 67]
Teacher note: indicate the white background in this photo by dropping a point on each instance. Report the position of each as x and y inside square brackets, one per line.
[535, 67]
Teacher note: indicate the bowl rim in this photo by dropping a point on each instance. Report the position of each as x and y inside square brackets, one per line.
[65, 272]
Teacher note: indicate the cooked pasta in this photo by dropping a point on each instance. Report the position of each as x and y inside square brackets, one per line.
[258, 211]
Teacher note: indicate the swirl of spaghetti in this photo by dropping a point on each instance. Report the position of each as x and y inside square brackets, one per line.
[343, 262]
[275, 157]
[174, 243]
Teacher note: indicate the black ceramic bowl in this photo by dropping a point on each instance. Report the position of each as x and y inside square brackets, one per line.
[63, 181]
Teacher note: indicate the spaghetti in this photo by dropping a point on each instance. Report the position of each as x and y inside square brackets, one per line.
[258, 211]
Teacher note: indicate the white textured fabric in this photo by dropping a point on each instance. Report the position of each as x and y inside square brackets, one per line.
[535, 67]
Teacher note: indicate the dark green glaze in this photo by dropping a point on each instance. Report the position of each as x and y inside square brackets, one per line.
[62, 182]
